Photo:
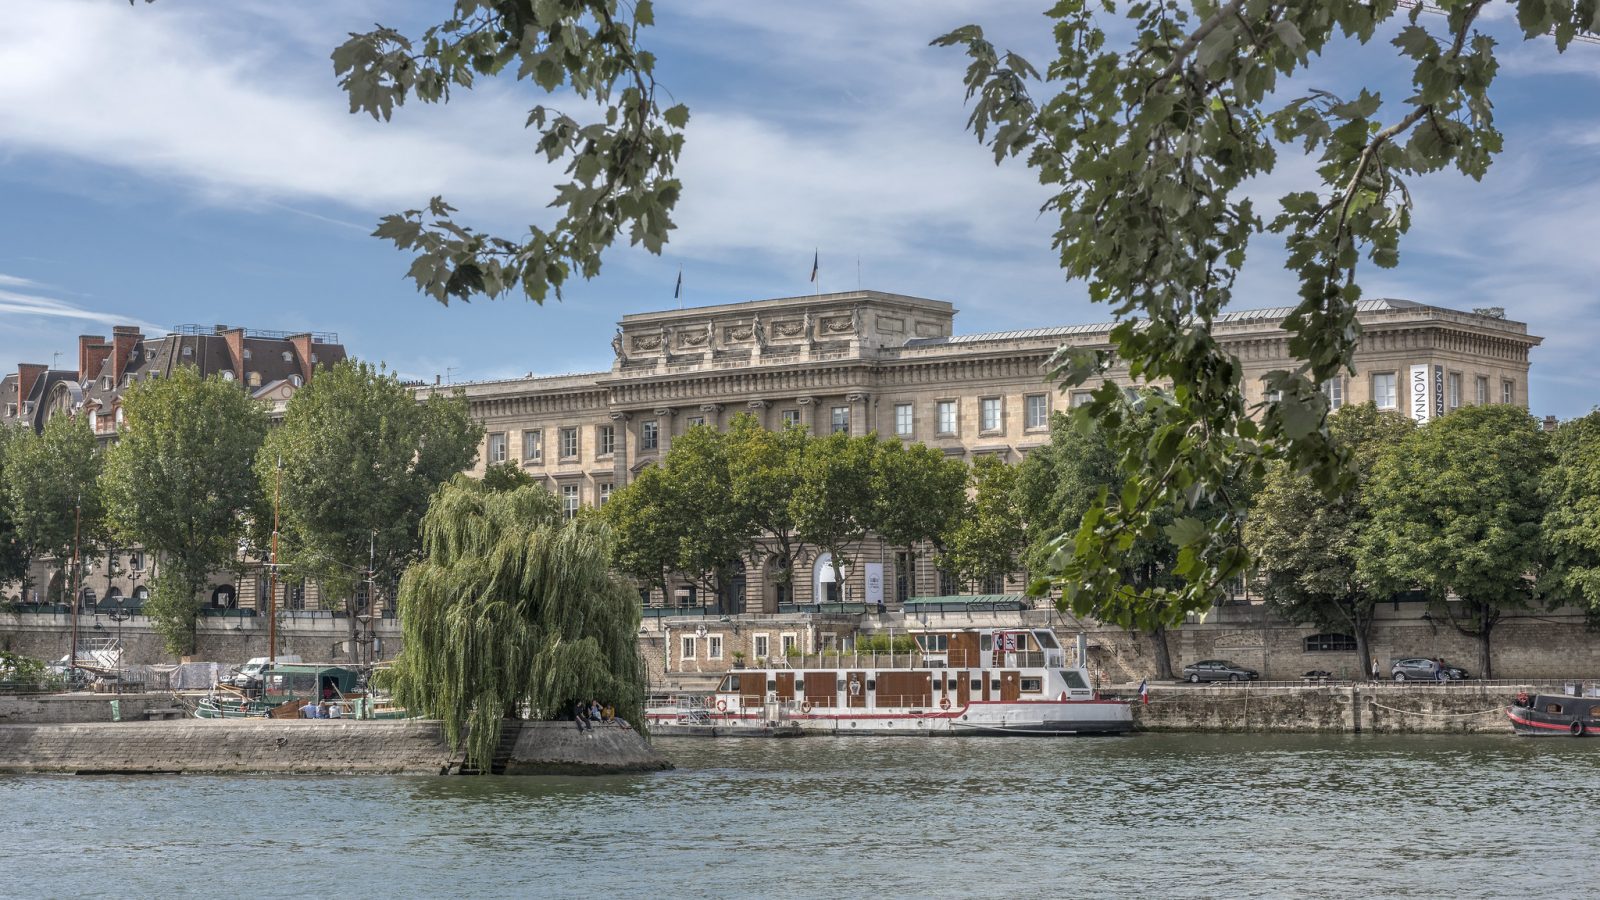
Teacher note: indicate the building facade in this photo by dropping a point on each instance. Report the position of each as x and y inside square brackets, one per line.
[866, 361]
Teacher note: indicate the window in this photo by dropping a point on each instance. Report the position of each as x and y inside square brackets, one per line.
[649, 436]
[947, 584]
[1452, 397]
[714, 646]
[569, 443]
[246, 353]
[947, 416]
[933, 643]
[136, 560]
[696, 421]
[791, 417]
[287, 356]
[1032, 685]
[533, 445]
[1334, 388]
[1482, 385]
[189, 351]
[839, 420]
[989, 414]
[227, 375]
[605, 493]
[902, 419]
[569, 499]
[1383, 393]
[1036, 411]
[605, 438]
[1330, 643]
[1079, 398]
[759, 646]
[687, 648]
[790, 643]
[497, 447]
[1508, 391]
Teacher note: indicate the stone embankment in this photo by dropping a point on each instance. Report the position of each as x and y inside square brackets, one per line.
[271, 746]
[79, 708]
[1333, 708]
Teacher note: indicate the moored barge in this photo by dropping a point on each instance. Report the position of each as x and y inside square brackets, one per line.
[1557, 715]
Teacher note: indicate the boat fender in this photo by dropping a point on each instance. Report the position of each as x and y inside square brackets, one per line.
[1577, 729]
[944, 703]
[1063, 697]
[722, 706]
[805, 706]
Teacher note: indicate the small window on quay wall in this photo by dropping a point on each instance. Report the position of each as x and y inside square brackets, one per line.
[1330, 643]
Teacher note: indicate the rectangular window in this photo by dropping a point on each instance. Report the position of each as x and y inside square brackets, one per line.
[947, 416]
[1079, 398]
[989, 414]
[790, 642]
[759, 646]
[714, 646]
[696, 421]
[649, 435]
[1508, 391]
[605, 439]
[839, 419]
[533, 445]
[497, 447]
[569, 499]
[1334, 388]
[1383, 391]
[1453, 391]
[605, 492]
[791, 418]
[569, 443]
[1482, 386]
[686, 648]
[902, 419]
[1037, 411]
[1031, 685]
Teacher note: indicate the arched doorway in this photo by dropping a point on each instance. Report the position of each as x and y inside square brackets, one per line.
[824, 588]
[777, 588]
[224, 597]
[738, 586]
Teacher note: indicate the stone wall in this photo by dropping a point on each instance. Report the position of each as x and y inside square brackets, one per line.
[1412, 709]
[559, 748]
[232, 640]
[58, 709]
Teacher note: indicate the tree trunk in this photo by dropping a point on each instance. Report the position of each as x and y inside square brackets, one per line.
[1363, 653]
[1158, 638]
[838, 575]
[1485, 665]
[350, 629]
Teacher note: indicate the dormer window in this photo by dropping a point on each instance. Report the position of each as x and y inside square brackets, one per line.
[105, 382]
[247, 353]
[133, 355]
[296, 380]
[287, 356]
[188, 351]
[227, 375]
[253, 379]
[313, 359]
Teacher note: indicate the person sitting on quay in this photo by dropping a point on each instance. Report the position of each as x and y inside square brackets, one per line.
[594, 711]
[580, 716]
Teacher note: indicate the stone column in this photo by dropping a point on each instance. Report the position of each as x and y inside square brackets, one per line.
[808, 413]
[664, 429]
[858, 414]
[713, 414]
[622, 445]
[758, 408]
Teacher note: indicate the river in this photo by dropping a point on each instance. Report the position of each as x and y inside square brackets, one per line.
[1171, 815]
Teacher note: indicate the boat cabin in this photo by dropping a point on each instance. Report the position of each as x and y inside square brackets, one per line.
[308, 681]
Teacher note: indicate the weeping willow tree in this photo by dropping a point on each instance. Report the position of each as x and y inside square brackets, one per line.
[511, 608]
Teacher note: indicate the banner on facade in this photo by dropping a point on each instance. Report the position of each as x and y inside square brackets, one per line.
[1438, 391]
[1421, 395]
[874, 582]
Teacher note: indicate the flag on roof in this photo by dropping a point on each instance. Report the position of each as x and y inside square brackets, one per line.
[814, 258]
[677, 289]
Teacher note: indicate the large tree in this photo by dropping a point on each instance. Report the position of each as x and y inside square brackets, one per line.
[13, 552]
[53, 491]
[1456, 511]
[714, 529]
[179, 482]
[360, 457]
[510, 608]
[1572, 515]
[919, 495]
[764, 468]
[832, 507]
[1305, 544]
[644, 520]
[989, 539]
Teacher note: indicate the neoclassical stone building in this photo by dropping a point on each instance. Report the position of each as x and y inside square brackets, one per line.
[865, 361]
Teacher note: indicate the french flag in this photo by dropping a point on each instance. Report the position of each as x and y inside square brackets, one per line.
[1144, 690]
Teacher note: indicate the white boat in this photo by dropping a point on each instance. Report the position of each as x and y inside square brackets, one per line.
[977, 681]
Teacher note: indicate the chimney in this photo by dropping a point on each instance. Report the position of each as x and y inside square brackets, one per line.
[27, 374]
[99, 355]
[85, 341]
[124, 338]
[234, 338]
[302, 351]
[1550, 423]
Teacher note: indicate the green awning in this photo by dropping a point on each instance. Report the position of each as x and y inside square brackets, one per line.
[969, 600]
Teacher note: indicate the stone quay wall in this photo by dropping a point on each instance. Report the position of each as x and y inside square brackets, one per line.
[77, 708]
[229, 640]
[1335, 708]
[559, 748]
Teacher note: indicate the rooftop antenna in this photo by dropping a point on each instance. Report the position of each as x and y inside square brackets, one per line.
[448, 370]
[55, 358]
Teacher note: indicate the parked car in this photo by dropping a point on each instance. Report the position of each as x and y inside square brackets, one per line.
[1217, 670]
[1419, 668]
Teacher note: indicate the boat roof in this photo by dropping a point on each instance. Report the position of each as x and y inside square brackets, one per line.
[968, 600]
[305, 667]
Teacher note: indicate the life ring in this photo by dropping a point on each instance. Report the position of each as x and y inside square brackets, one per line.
[1577, 729]
[944, 703]
[722, 706]
[805, 706]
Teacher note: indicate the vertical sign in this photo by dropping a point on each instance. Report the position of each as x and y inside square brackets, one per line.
[1421, 395]
[1438, 391]
[875, 583]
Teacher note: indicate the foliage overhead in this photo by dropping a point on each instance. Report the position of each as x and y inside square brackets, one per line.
[179, 482]
[510, 608]
[918, 494]
[1456, 509]
[1571, 527]
[13, 552]
[832, 508]
[620, 163]
[1148, 146]
[989, 538]
[51, 477]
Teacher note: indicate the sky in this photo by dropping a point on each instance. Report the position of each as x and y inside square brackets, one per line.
[195, 162]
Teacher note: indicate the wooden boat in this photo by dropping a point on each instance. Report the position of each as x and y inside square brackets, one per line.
[284, 689]
[970, 682]
[1558, 715]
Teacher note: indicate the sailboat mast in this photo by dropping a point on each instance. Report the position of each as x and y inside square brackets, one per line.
[272, 570]
[77, 522]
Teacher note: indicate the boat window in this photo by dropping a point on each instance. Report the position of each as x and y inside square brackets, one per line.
[977, 685]
[1594, 712]
[985, 642]
[839, 685]
[994, 685]
[872, 684]
[772, 684]
[1032, 685]
[729, 683]
[1554, 708]
[1075, 680]
[799, 686]
[1047, 640]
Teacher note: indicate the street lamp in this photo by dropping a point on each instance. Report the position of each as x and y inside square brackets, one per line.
[120, 615]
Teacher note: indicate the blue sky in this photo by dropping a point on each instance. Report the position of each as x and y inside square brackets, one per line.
[193, 162]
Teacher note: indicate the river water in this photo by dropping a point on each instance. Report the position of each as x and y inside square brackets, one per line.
[1148, 815]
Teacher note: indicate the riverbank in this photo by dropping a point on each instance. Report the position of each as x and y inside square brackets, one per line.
[285, 747]
[1457, 708]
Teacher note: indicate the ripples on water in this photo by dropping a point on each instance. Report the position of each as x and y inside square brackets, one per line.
[1150, 815]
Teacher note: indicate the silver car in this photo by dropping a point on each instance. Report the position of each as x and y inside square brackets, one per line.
[1217, 670]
